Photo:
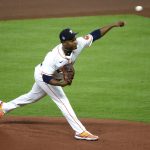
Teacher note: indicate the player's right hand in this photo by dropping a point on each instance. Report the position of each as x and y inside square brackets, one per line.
[120, 24]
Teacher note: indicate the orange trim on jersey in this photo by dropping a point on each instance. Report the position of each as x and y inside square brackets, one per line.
[69, 60]
[86, 37]
[61, 54]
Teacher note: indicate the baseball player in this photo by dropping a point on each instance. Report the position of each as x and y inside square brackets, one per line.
[55, 72]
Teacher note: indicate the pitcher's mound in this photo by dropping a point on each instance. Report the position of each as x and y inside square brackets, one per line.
[35, 133]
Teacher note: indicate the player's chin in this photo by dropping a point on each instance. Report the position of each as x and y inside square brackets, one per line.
[75, 47]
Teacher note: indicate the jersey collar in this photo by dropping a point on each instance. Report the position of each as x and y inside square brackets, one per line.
[62, 54]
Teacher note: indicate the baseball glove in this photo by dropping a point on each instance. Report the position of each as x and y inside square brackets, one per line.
[68, 73]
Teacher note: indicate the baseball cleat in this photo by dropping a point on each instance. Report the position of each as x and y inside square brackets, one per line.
[86, 136]
[1, 110]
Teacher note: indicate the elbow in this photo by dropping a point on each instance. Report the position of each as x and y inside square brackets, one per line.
[96, 34]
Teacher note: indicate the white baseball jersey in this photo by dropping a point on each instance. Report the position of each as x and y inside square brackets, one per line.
[56, 58]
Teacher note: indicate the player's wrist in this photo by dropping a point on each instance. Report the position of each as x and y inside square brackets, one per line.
[63, 83]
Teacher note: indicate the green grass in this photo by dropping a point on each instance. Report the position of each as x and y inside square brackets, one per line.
[112, 76]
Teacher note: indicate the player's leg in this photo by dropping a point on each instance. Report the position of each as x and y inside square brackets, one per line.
[58, 96]
[32, 96]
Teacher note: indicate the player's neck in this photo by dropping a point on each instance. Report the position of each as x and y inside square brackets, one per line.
[66, 51]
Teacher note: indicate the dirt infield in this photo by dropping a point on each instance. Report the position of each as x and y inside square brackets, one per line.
[35, 133]
[18, 9]
[28, 133]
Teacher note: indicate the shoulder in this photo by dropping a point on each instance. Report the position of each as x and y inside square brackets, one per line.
[88, 37]
[85, 38]
[85, 41]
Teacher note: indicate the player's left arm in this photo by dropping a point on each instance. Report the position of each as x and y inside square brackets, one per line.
[97, 34]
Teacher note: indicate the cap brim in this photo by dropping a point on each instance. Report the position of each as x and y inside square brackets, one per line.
[73, 35]
[76, 33]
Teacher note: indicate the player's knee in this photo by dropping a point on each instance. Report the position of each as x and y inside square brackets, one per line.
[34, 96]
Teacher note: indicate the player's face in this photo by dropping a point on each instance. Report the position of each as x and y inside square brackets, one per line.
[70, 44]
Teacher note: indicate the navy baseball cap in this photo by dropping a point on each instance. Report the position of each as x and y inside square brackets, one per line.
[67, 34]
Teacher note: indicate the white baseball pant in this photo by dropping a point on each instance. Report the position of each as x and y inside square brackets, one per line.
[41, 89]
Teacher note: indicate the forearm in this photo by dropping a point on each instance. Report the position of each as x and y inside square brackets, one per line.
[105, 29]
[58, 82]
[98, 33]
[51, 80]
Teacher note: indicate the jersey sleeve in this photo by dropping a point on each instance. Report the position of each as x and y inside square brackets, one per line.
[47, 70]
[87, 40]
[83, 42]
[48, 67]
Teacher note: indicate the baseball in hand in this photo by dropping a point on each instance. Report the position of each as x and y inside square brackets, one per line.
[138, 8]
